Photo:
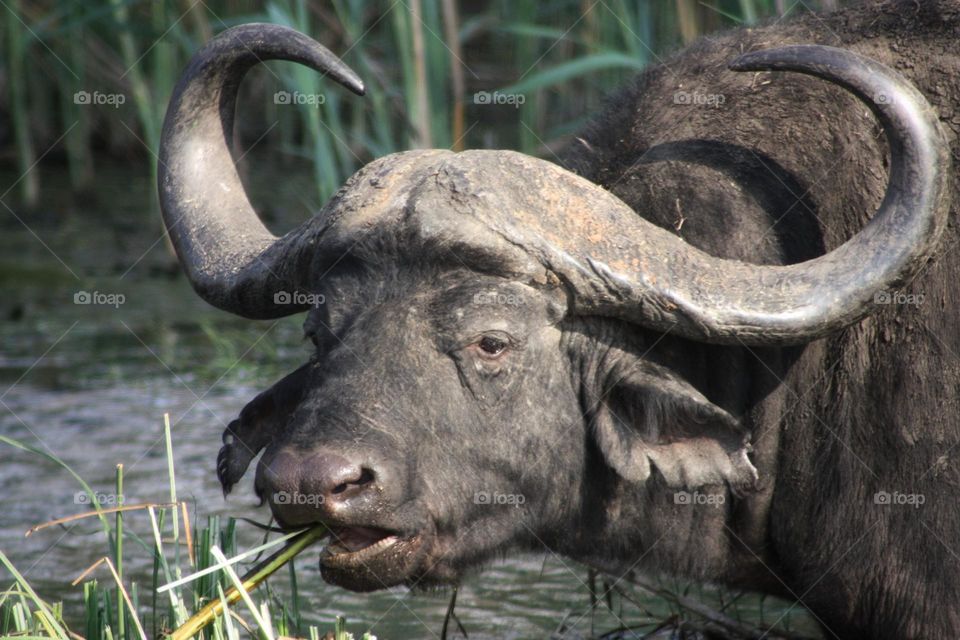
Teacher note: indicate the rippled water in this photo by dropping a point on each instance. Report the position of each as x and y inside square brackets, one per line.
[90, 384]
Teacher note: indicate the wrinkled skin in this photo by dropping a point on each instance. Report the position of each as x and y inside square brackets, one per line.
[419, 341]
[566, 413]
[364, 398]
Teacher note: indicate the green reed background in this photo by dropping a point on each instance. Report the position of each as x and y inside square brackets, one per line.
[422, 60]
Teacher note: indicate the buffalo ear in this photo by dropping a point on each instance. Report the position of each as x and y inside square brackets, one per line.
[650, 418]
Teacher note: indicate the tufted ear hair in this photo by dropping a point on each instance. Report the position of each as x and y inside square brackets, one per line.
[647, 418]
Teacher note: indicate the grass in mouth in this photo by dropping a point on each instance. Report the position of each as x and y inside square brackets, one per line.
[194, 586]
[242, 586]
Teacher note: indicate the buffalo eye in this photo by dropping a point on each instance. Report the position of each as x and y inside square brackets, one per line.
[491, 347]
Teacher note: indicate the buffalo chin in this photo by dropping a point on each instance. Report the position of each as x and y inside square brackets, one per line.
[387, 563]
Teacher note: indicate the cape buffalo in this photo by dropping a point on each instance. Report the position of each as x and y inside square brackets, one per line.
[717, 340]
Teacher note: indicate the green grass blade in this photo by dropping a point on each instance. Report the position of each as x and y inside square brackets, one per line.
[49, 620]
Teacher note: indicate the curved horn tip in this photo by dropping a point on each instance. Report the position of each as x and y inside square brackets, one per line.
[252, 35]
[358, 88]
[230, 258]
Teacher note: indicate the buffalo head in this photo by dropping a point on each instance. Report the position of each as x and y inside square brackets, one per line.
[496, 358]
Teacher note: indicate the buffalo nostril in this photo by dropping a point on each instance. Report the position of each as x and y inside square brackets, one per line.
[334, 477]
[320, 484]
[366, 477]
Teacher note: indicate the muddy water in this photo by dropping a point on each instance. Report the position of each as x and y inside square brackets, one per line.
[90, 383]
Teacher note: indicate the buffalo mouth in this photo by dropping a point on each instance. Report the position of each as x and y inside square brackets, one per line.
[368, 558]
